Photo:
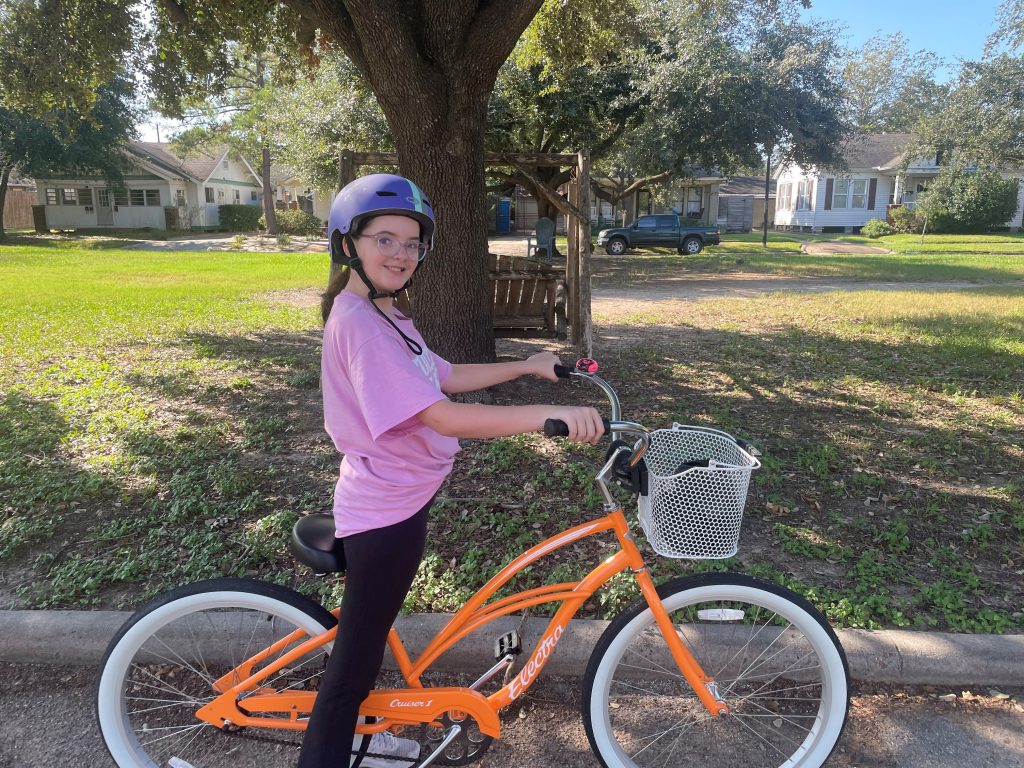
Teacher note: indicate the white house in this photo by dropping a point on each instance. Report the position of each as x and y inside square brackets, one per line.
[819, 200]
[290, 192]
[161, 191]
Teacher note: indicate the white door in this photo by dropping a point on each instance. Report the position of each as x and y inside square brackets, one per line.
[104, 211]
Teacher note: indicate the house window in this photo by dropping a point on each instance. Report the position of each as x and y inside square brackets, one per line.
[51, 196]
[693, 201]
[69, 196]
[137, 196]
[840, 193]
[220, 196]
[253, 196]
[85, 197]
[103, 197]
[152, 197]
[237, 196]
[179, 198]
[858, 193]
[801, 196]
[225, 164]
[785, 194]
[121, 196]
[209, 194]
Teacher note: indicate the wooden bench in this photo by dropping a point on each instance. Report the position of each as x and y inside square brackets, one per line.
[529, 297]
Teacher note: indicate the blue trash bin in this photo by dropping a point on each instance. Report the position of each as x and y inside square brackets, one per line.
[504, 224]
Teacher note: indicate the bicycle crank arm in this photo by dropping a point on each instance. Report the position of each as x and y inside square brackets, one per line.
[449, 737]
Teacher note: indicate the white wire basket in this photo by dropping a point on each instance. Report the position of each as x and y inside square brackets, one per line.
[696, 489]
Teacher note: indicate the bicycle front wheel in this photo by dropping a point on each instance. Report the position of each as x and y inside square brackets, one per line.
[774, 659]
[160, 668]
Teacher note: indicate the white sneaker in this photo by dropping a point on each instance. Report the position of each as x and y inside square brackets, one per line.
[405, 751]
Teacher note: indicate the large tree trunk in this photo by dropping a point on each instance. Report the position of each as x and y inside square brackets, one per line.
[268, 192]
[452, 307]
[5, 175]
[432, 67]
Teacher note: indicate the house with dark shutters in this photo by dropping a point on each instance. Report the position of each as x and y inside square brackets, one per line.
[876, 179]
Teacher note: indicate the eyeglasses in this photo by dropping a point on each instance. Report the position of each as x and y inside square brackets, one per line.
[389, 246]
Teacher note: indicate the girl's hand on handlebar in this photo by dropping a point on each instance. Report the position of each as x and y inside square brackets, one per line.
[585, 424]
[543, 365]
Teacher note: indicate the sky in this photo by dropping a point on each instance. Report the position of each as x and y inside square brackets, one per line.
[953, 30]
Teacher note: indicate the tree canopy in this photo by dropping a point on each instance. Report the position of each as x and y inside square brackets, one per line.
[432, 68]
[889, 87]
[982, 120]
[62, 141]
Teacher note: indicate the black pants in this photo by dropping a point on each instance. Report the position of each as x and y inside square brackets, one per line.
[381, 567]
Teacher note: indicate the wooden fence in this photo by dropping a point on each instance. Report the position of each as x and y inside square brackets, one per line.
[18, 209]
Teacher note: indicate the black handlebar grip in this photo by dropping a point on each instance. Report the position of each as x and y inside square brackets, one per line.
[563, 371]
[558, 428]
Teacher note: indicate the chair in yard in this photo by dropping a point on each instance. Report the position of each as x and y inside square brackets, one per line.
[543, 240]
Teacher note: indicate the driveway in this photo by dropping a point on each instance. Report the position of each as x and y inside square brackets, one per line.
[831, 247]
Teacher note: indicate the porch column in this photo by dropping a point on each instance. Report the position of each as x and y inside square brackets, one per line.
[899, 186]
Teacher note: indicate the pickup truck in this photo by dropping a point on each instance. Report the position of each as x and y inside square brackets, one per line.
[660, 230]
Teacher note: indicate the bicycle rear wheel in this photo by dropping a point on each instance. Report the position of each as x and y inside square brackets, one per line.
[159, 668]
[774, 659]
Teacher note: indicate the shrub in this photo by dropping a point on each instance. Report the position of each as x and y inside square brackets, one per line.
[906, 221]
[962, 201]
[239, 218]
[296, 222]
[876, 228]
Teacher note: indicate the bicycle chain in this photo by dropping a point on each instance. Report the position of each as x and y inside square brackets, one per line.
[482, 746]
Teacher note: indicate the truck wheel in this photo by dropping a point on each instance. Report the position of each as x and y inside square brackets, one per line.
[616, 246]
[692, 246]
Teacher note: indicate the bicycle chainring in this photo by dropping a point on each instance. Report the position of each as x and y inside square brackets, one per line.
[468, 747]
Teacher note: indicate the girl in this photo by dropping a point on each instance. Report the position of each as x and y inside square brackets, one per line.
[386, 409]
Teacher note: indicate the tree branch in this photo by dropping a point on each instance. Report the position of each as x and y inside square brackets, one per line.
[333, 19]
[175, 12]
[553, 197]
[493, 34]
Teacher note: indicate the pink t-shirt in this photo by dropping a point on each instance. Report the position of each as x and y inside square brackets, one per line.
[373, 387]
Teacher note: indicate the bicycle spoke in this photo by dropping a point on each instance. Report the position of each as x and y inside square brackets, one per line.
[164, 685]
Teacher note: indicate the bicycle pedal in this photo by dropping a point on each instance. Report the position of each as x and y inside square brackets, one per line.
[506, 644]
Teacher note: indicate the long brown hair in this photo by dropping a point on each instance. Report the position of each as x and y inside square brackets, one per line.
[335, 285]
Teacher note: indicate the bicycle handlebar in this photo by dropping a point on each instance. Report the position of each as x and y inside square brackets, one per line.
[587, 369]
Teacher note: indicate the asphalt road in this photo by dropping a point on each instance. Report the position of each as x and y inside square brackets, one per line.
[47, 717]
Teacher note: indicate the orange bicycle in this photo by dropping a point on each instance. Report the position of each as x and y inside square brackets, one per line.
[717, 669]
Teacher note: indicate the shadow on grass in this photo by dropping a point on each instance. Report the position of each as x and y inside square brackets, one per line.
[67, 243]
[38, 480]
[622, 272]
[226, 470]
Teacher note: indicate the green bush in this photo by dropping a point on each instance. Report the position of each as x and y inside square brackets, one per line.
[906, 221]
[963, 201]
[239, 218]
[876, 228]
[296, 222]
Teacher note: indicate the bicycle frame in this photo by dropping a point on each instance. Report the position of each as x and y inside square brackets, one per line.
[417, 704]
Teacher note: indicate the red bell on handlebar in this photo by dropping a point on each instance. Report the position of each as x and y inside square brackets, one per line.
[586, 365]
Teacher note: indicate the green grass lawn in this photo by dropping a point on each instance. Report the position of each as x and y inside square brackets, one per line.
[160, 423]
[970, 258]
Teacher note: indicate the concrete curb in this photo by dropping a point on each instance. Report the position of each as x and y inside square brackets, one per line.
[890, 656]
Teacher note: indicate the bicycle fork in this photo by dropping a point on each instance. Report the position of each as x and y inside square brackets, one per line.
[703, 685]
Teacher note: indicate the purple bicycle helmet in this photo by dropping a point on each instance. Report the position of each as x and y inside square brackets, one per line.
[378, 194]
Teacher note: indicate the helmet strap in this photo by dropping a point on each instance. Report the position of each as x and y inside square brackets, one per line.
[356, 264]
